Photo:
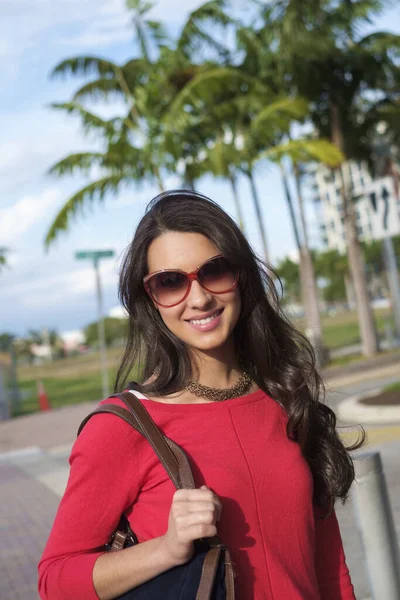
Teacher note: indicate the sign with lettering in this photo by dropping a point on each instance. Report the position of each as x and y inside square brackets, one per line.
[384, 208]
[94, 254]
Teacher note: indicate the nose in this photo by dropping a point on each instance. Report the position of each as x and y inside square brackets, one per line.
[198, 297]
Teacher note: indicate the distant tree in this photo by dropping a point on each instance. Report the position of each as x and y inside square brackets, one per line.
[288, 272]
[115, 329]
[5, 341]
[332, 267]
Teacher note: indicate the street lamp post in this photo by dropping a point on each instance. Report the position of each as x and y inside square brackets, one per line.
[95, 256]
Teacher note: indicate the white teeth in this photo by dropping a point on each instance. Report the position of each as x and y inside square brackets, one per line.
[205, 321]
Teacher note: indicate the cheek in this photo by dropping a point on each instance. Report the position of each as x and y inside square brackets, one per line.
[171, 317]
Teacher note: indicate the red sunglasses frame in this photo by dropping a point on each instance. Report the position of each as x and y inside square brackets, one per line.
[191, 277]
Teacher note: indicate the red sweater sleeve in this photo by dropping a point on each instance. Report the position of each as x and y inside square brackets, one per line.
[332, 573]
[103, 482]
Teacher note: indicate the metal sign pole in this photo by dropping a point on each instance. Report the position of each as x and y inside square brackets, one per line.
[101, 332]
[95, 256]
[394, 280]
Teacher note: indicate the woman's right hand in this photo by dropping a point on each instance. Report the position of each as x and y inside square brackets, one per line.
[193, 515]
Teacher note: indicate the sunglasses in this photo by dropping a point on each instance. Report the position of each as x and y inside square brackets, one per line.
[170, 287]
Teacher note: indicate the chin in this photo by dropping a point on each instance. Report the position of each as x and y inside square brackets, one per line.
[211, 342]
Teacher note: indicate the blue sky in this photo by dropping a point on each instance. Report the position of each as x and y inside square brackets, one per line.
[52, 289]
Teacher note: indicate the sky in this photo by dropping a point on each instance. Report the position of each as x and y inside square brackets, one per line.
[52, 289]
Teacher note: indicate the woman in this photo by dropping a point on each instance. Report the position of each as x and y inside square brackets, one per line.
[229, 379]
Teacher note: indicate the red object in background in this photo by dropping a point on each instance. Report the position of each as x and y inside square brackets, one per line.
[43, 398]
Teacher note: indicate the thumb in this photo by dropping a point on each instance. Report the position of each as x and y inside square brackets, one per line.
[204, 487]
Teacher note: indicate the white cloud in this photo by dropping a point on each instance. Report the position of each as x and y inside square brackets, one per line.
[93, 23]
[17, 219]
[174, 10]
[118, 312]
[62, 288]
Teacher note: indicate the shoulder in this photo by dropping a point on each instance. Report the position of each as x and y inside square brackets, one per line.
[106, 433]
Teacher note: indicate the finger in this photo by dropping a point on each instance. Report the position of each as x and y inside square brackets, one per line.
[200, 530]
[194, 495]
[192, 519]
[203, 506]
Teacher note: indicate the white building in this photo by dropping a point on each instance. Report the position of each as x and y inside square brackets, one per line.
[329, 202]
[72, 340]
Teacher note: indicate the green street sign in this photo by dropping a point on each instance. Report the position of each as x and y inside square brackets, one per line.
[94, 254]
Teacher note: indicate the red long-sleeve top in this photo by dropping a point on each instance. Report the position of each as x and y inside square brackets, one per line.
[281, 549]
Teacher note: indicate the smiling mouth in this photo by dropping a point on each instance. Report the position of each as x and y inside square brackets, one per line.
[215, 314]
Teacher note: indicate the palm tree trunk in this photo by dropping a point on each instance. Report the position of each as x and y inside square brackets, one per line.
[257, 207]
[310, 284]
[290, 206]
[350, 296]
[369, 338]
[157, 175]
[232, 179]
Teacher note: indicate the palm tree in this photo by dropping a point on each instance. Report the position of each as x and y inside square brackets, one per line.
[302, 151]
[222, 160]
[131, 142]
[195, 38]
[333, 68]
[121, 163]
[149, 34]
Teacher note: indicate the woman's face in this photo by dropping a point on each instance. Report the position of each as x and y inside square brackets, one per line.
[186, 251]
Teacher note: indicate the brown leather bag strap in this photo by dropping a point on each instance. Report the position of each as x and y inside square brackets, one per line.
[150, 431]
[208, 573]
[177, 469]
[229, 576]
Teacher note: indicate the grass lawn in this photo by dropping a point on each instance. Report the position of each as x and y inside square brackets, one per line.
[343, 330]
[77, 379]
[394, 387]
[66, 381]
[60, 391]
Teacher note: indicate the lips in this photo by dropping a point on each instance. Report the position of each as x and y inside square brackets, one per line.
[206, 317]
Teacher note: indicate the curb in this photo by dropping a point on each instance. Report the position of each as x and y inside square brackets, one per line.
[352, 410]
[21, 453]
[360, 376]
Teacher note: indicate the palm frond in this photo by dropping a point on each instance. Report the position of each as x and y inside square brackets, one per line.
[84, 65]
[206, 86]
[222, 157]
[89, 120]
[192, 36]
[380, 43]
[95, 191]
[81, 161]
[100, 90]
[158, 31]
[305, 150]
[288, 108]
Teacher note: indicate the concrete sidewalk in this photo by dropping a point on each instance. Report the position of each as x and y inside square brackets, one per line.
[43, 429]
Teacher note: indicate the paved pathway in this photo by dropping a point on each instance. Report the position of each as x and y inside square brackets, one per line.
[34, 471]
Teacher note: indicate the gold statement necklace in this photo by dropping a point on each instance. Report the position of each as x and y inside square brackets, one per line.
[241, 387]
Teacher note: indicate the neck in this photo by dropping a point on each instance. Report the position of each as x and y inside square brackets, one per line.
[217, 368]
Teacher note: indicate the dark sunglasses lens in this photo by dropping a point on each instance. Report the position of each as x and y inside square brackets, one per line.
[168, 288]
[218, 275]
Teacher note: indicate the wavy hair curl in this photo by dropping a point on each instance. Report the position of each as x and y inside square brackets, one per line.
[278, 357]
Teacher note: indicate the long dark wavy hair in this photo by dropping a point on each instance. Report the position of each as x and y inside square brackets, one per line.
[278, 357]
